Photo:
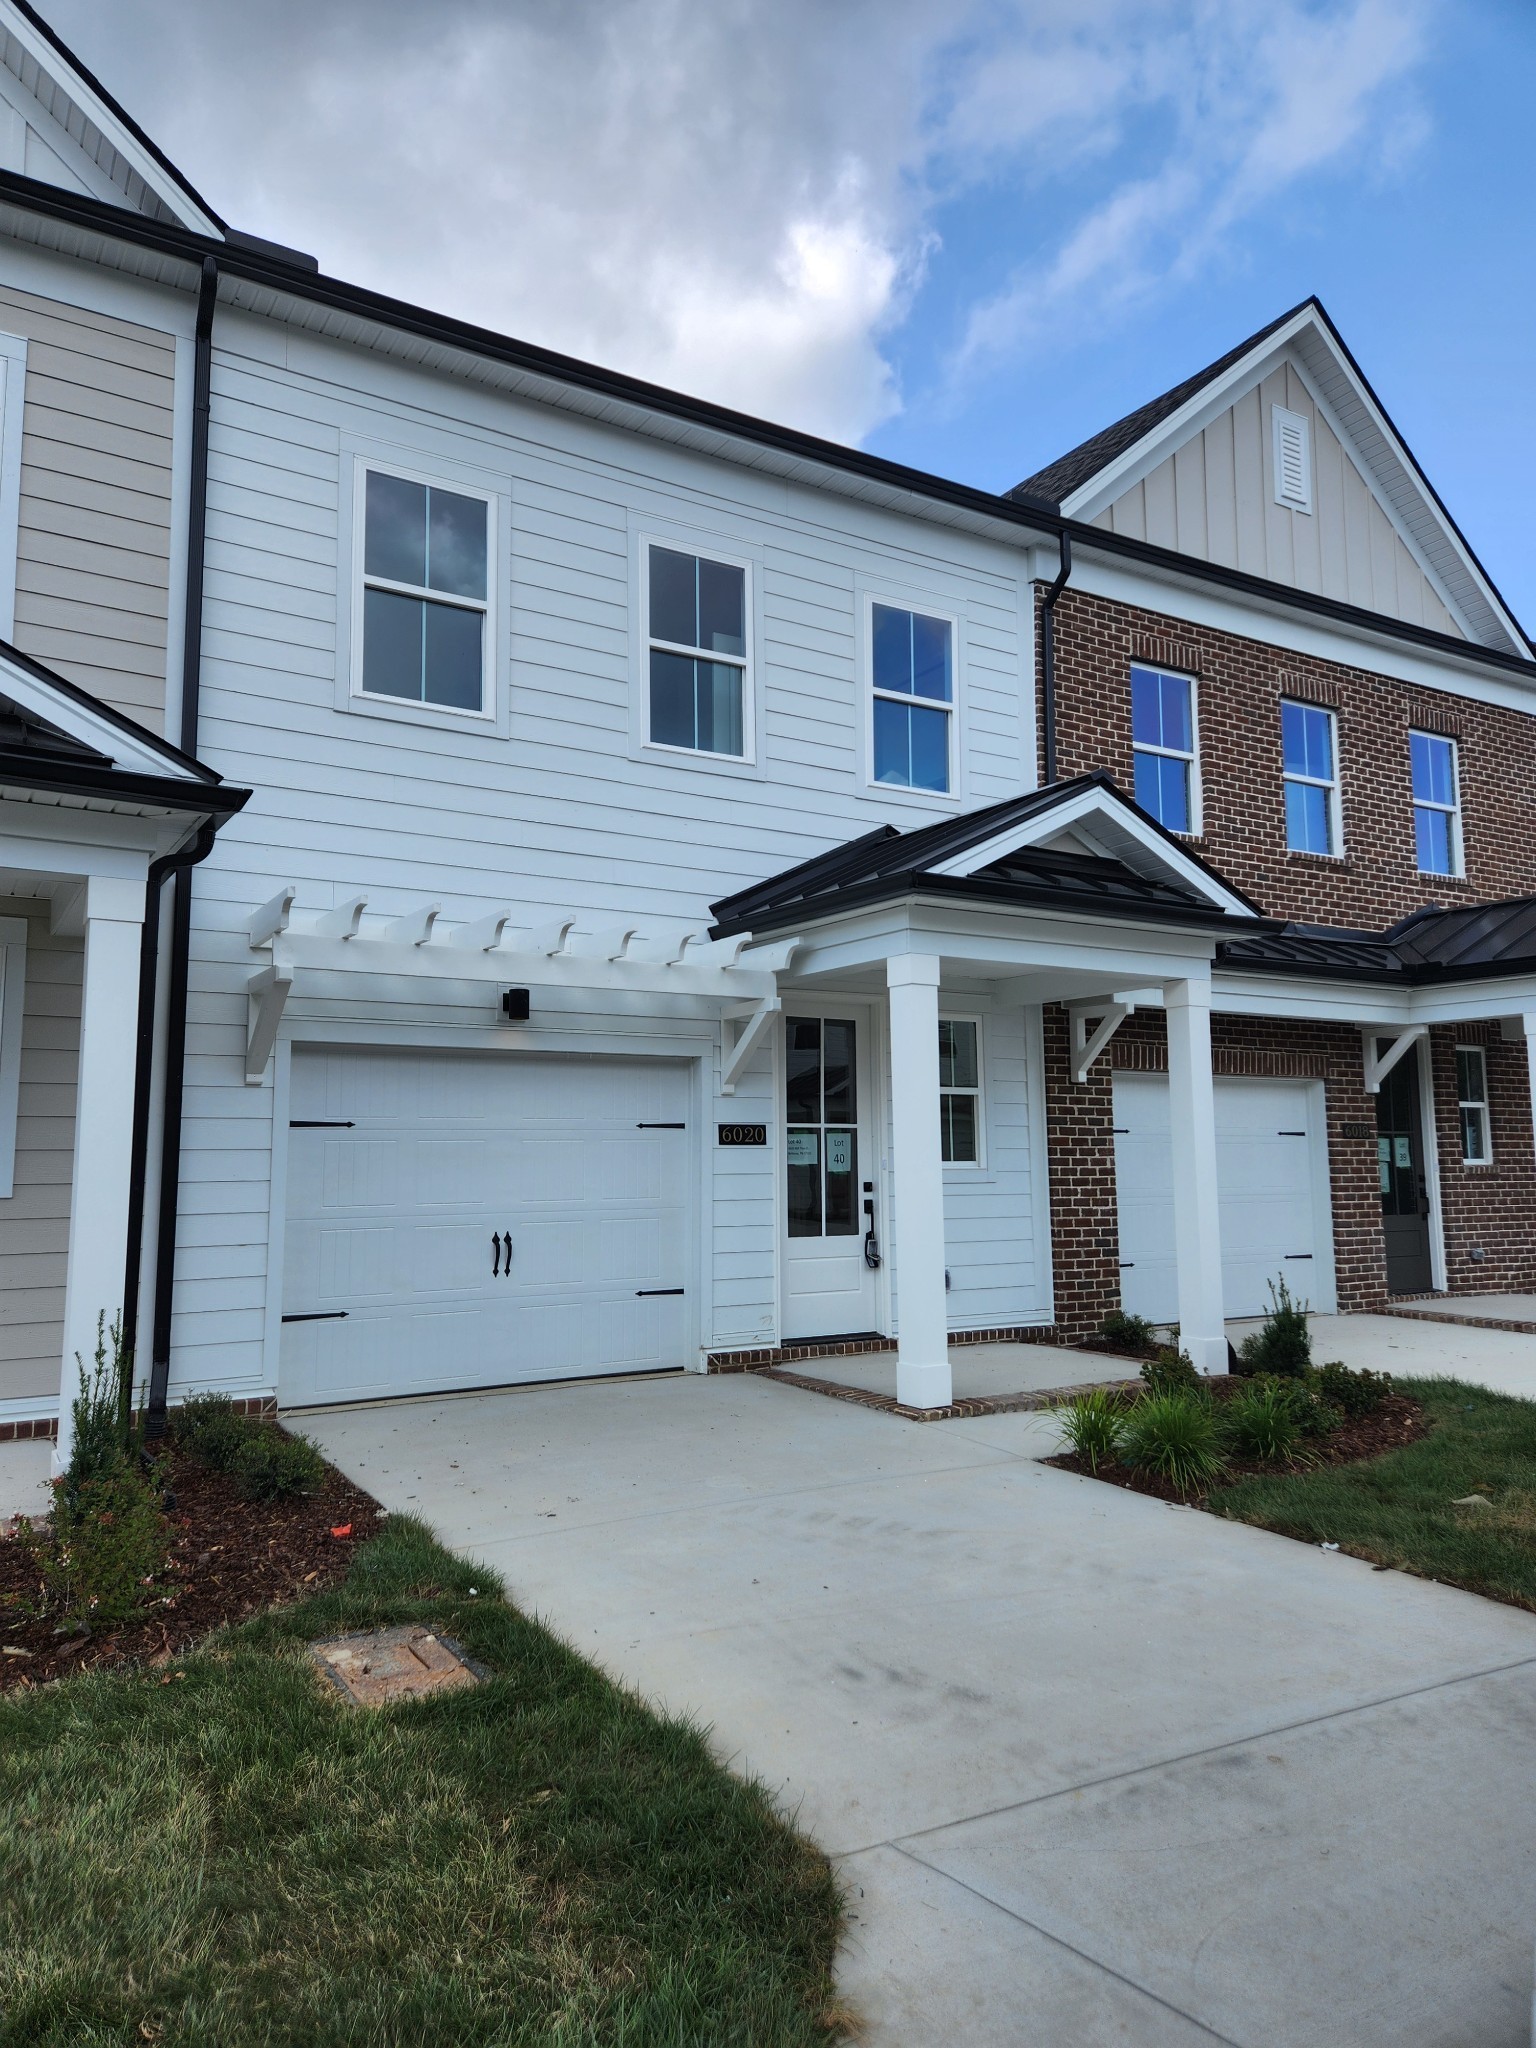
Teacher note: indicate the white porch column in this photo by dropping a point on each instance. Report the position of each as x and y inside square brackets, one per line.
[922, 1355]
[98, 1210]
[1196, 1222]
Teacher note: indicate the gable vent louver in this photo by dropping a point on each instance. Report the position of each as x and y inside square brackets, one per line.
[1293, 460]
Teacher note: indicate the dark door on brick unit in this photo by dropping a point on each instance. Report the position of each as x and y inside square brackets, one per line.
[1404, 1193]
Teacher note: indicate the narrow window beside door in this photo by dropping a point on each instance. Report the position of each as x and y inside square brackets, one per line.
[696, 625]
[426, 593]
[1163, 745]
[821, 1148]
[1472, 1100]
[960, 1091]
[912, 657]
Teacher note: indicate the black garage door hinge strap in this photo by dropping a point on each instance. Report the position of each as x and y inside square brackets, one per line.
[661, 1127]
[321, 1123]
[659, 1290]
[318, 1315]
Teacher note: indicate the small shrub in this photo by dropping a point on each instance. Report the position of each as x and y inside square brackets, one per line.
[208, 1428]
[1127, 1333]
[105, 1544]
[1172, 1372]
[1284, 1345]
[272, 1465]
[1175, 1436]
[1353, 1392]
[103, 1438]
[1263, 1422]
[1092, 1424]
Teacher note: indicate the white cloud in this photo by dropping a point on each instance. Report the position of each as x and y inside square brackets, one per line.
[737, 196]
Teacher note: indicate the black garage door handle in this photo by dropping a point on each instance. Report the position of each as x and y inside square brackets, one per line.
[658, 1290]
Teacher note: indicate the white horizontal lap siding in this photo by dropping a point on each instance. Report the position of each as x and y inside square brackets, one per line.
[560, 814]
[991, 1230]
[34, 1220]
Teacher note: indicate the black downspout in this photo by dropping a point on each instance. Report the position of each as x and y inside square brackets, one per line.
[1048, 657]
[181, 903]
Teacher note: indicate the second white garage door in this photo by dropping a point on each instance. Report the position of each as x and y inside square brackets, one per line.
[1272, 1172]
[457, 1220]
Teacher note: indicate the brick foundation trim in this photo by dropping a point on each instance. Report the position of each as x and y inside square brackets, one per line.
[1431, 1315]
[770, 1355]
[46, 1428]
[957, 1411]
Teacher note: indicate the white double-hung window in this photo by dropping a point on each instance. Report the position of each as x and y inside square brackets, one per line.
[1310, 762]
[1163, 747]
[696, 634]
[1436, 803]
[1472, 1103]
[960, 1091]
[426, 554]
[912, 677]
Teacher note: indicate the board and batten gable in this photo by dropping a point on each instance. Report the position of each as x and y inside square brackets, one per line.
[556, 805]
[93, 551]
[1213, 497]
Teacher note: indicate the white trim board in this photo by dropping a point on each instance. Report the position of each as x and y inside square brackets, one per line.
[13, 987]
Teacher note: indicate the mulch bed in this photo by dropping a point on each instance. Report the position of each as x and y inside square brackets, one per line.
[229, 1558]
[1396, 1422]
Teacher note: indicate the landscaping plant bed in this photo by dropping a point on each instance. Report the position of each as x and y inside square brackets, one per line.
[230, 1557]
[1397, 1421]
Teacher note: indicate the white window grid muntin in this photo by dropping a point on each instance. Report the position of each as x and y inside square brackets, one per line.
[366, 466]
[703, 551]
[1196, 799]
[1293, 459]
[1480, 1103]
[895, 601]
[972, 1018]
[1451, 811]
[1331, 785]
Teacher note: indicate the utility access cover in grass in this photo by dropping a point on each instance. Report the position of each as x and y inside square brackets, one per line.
[384, 1664]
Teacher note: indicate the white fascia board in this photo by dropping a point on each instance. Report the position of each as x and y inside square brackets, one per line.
[1365, 1004]
[1274, 623]
[1116, 828]
[1361, 425]
[92, 728]
[101, 117]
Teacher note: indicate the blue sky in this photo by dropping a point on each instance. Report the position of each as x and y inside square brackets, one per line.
[965, 233]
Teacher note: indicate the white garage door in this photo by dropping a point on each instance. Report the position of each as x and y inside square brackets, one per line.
[456, 1220]
[1272, 1173]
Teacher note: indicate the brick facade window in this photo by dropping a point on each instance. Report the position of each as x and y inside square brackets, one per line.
[1310, 753]
[1472, 1102]
[1436, 803]
[1163, 745]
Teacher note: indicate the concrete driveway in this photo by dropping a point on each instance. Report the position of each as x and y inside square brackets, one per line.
[1095, 1770]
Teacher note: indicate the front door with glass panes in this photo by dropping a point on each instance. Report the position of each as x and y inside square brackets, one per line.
[1400, 1162]
[831, 1221]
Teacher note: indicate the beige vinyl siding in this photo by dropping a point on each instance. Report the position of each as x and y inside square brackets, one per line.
[34, 1221]
[93, 551]
[1214, 498]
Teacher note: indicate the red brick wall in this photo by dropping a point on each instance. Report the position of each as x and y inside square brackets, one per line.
[1080, 1148]
[1240, 684]
[1491, 1209]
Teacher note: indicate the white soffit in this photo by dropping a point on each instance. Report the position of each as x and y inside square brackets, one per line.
[1098, 823]
[65, 99]
[97, 729]
[1385, 461]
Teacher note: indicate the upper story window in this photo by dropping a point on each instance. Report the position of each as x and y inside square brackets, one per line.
[697, 641]
[426, 593]
[1309, 754]
[960, 1090]
[1472, 1101]
[1163, 742]
[912, 669]
[1436, 803]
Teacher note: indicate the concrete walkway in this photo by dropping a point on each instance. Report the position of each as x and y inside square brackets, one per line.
[1095, 1770]
[1502, 1359]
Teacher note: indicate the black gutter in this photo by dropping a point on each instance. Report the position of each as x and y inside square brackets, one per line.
[1048, 657]
[181, 903]
[20, 768]
[1035, 515]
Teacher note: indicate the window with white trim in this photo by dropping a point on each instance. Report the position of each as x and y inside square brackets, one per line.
[960, 1090]
[912, 677]
[426, 584]
[1472, 1104]
[1164, 747]
[696, 637]
[1436, 803]
[1310, 769]
[1293, 459]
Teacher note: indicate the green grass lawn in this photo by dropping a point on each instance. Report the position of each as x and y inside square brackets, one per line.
[237, 1856]
[1397, 1510]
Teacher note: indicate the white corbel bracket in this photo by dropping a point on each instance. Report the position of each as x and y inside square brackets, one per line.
[751, 1021]
[1111, 1012]
[1379, 1064]
[268, 992]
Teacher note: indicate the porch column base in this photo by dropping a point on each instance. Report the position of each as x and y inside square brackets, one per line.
[922, 1332]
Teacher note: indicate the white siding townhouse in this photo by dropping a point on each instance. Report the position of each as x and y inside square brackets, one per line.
[510, 873]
